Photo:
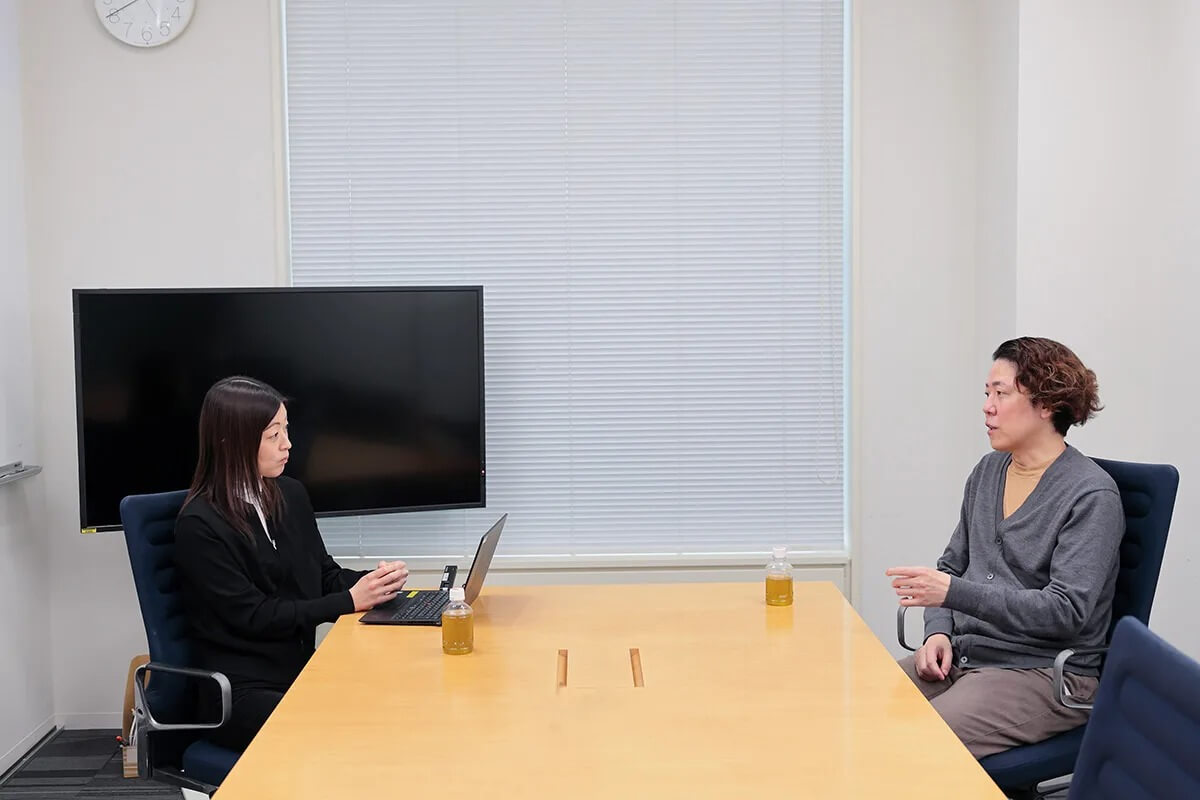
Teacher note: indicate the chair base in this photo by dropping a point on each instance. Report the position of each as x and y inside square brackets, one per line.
[174, 777]
[1041, 791]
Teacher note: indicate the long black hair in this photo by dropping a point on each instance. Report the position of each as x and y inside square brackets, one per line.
[235, 413]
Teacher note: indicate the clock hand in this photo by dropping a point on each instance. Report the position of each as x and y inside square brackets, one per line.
[157, 12]
[119, 10]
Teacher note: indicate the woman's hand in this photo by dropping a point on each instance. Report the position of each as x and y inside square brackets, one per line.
[379, 585]
[393, 566]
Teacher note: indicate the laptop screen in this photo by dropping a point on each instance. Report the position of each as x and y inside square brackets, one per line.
[483, 559]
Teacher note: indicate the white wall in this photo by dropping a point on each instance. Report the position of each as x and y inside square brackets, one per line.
[996, 178]
[26, 696]
[1108, 172]
[145, 168]
[916, 432]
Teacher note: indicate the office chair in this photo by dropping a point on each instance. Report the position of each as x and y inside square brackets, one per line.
[169, 751]
[1148, 498]
[1144, 734]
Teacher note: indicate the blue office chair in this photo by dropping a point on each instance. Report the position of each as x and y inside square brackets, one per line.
[1148, 497]
[1142, 740]
[169, 749]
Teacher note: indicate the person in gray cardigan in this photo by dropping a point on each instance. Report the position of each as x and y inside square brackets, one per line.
[1031, 567]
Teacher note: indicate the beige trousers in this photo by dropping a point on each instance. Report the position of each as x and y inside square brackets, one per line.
[995, 709]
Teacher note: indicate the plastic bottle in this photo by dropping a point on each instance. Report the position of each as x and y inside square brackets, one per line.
[779, 578]
[458, 625]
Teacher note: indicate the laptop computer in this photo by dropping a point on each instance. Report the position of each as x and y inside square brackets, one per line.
[425, 606]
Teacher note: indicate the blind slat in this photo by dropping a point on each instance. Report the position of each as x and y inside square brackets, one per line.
[651, 193]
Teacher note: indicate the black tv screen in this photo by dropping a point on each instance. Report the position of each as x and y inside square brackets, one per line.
[384, 388]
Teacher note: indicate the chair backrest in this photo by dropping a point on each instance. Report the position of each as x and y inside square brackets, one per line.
[149, 522]
[1148, 497]
[1144, 734]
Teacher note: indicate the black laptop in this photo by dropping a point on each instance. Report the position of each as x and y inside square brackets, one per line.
[425, 606]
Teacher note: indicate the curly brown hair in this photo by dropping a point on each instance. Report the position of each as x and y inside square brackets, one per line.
[1054, 378]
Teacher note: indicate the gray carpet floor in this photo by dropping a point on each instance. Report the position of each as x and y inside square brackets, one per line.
[82, 764]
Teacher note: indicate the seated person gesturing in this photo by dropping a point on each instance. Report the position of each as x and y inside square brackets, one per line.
[1031, 567]
[255, 576]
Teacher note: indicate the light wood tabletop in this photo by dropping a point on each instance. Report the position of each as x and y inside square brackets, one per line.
[737, 699]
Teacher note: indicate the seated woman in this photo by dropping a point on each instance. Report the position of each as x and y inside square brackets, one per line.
[1031, 568]
[255, 576]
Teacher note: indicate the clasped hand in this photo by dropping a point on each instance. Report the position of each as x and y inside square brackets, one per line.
[379, 585]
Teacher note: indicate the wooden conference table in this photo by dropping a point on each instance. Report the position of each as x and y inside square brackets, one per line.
[737, 699]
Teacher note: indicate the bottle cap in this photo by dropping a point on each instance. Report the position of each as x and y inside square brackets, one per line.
[458, 595]
[779, 551]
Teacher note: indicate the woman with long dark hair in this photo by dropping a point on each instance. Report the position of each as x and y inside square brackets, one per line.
[256, 579]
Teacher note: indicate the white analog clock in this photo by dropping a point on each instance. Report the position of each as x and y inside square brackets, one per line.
[145, 23]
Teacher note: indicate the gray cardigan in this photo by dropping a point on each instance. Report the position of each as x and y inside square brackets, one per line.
[1024, 588]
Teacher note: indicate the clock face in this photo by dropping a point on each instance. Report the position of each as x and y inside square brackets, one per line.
[145, 23]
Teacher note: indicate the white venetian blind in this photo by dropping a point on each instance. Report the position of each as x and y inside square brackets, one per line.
[651, 194]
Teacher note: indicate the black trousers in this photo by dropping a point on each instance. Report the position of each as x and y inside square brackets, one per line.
[251, 707]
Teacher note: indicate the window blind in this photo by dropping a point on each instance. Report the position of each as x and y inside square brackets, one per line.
[652, 195]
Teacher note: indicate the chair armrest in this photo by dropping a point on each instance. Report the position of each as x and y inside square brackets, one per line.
[146, 719]
[900, 629]
[1060, 667]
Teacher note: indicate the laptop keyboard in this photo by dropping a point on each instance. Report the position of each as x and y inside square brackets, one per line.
[425, 606]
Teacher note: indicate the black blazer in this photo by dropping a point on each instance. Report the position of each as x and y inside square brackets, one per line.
[252, 610]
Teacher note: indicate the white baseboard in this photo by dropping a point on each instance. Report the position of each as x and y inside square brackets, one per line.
[91, 721]
[18, 751]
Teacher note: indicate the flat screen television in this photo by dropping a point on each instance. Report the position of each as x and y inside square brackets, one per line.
[384, 388]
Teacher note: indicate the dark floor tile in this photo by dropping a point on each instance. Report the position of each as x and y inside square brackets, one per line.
[88, 764]
[153, 791]
[105, 745]
[80, 764]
